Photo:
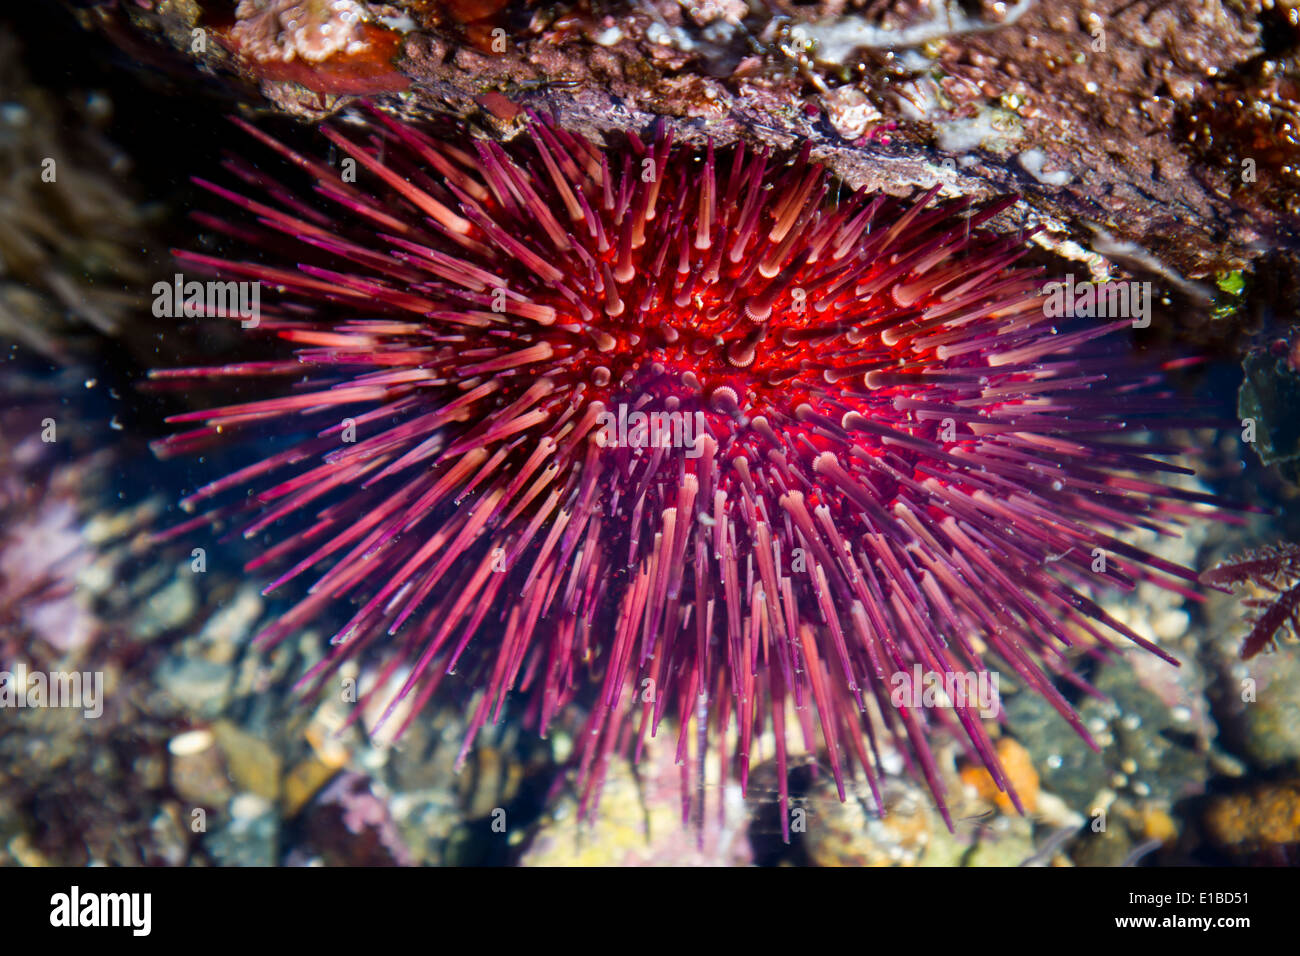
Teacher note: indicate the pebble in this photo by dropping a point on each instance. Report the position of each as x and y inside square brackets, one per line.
[253, 765]
[227, 630]
[249, 806]
[190, 743]
[244, 841]
[198, 686]
[303, 782]
[199, 778]
[165, 610]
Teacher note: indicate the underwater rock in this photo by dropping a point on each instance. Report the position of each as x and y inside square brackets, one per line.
[1255, 700]
[1114, 120]
[1270, 400]
[246, 835]
[166, 609]
[639, 822]
[253, 765]
[199, 687]
[52, 477]
[70, 230]
[198, 774]
[303, 782]
[51, 758]
[1261, 824]
[853, 834]
[349, 824]
[1149, 749]
[1259, 710]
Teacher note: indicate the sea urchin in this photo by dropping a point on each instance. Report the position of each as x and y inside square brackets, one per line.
[702, 429]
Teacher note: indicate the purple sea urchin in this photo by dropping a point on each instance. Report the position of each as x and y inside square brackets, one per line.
[702, 429]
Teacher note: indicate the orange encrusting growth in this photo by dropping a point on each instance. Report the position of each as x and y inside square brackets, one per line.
[365, 72]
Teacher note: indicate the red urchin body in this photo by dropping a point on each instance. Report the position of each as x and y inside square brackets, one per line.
[902, 461]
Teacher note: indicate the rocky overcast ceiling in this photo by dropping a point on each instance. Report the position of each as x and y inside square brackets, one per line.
[1162, 136]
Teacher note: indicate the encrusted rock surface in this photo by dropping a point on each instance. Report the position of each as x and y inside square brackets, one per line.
[1161, 136]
